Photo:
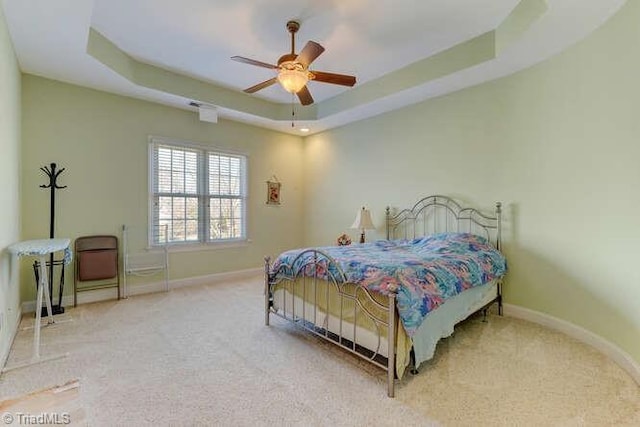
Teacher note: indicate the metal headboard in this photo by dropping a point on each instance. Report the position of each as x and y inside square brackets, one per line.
[438, 214]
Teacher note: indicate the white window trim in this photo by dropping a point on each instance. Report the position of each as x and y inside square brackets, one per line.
[199, 245]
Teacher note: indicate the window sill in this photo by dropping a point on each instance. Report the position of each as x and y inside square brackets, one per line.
[198, 247]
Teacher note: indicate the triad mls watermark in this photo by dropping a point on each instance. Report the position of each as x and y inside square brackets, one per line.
[44, 418]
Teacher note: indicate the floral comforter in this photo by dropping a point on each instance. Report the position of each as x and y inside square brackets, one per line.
[425, 272]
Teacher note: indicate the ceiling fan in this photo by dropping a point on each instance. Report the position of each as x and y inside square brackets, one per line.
[293, 70]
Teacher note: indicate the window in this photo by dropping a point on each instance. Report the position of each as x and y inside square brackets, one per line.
[199, 194]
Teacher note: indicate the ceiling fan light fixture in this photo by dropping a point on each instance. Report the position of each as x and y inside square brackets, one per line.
[293, 77]
[293, 70]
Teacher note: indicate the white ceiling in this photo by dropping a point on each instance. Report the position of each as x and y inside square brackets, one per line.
[368, 39]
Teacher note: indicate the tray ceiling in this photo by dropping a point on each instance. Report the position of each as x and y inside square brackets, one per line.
[402, 51]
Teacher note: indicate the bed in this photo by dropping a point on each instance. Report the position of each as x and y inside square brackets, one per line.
[390, 302]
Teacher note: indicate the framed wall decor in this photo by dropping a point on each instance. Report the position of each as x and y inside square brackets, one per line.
[273, 191]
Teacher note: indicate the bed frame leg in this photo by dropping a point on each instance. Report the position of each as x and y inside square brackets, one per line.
[266, 290]
[412, 362]
[500, 298]
[391, 340]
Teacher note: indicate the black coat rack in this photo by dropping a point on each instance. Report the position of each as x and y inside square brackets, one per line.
[53, 175]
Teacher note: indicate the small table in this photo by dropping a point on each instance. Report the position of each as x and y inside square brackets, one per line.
[40, 248]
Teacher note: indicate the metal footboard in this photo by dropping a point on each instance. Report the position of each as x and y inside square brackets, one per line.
[317, 286]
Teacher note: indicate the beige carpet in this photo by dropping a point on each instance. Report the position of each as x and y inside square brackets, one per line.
[202, 356]
[54, 405]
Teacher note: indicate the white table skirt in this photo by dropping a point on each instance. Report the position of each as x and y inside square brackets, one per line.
[42, 247]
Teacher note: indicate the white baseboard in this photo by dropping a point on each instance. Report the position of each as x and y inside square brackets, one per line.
[16, 325]
[216, 278]
[615, 353]
[146, 288]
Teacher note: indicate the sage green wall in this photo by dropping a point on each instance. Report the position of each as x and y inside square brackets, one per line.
[558, 144]
[9, 190]
[102, 141]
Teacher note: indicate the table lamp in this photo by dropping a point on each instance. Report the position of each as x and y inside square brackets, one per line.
[363, 222]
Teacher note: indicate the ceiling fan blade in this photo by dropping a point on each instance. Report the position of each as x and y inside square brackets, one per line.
[336, 79]
[253, 62]
[262, 85]
[305, 96]
[309, 53]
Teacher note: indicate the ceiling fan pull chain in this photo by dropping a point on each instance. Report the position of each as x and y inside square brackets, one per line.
[293, 111]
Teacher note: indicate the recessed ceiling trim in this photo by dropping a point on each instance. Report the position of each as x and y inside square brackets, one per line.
[525, 14]
[461, 56]
[464, 55]
[106, 52]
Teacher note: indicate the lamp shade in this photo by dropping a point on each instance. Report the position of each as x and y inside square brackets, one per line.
[363, 220]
